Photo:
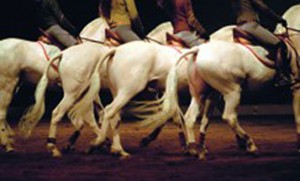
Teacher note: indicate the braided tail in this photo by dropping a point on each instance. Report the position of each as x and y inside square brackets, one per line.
[83, 105]
[169, 105]
[35, 112]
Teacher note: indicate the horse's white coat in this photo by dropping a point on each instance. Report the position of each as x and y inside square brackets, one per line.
[228, 68]
[75, 70]
[131, 69]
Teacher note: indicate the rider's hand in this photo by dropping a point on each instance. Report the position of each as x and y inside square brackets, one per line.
[283, 22]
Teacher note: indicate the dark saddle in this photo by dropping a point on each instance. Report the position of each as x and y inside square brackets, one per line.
[113, 38]
[175, 41]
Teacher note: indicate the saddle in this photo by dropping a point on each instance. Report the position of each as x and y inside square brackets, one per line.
[175, 41]
[113, 38]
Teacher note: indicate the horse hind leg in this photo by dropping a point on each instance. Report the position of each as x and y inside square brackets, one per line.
[6, 93]
[116, 147]
[190, 118]
[155, 133]
[90, 120]
[57, 115]
[151, 137]
[112, 120]
[74, 137]
[232, 101]
[208, 110]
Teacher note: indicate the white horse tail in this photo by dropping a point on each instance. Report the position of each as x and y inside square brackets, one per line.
[169, 106]
[35, 112]
[82, 106]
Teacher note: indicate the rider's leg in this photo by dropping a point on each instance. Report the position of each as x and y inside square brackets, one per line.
[190, 38]
[62, 36]
[126, 33]
[277, 48]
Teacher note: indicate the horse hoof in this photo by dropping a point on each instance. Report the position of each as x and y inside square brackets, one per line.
[9, 150]
[192, 152]
[68, 149]
[125, 157]
[253, 153]
[202, 156]
[56, 154]
[91, 150]
[192, 149]
[144, 142]
[242, 143]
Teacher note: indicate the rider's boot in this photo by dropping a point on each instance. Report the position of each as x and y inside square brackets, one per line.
[283, 72]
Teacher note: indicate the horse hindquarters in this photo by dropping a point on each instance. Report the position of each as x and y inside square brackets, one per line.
[223, 71]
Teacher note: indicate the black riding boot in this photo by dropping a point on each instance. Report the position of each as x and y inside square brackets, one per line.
[283, 71]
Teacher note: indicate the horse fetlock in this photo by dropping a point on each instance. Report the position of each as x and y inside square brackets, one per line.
[182, 140]
[91, 149]
[202, 155]
[192, 149]
[145, 142]
[56, 153]
[53, 150]
[68, 149]
[8, 148]
[241, 142]
[119, 153]
[202, 140]
[97, 141]
[203, 148]
[251, 147]
[125, 156]
[50, 147]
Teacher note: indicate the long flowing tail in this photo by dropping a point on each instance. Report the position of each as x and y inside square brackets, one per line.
[35, 112]
[82, 106]
[168, 103]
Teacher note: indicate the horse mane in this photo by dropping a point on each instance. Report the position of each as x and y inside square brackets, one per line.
[292, 20]
[159, 33]
[95, 29]
[225, 33]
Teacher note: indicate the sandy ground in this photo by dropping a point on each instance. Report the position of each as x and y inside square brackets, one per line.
[163, 159]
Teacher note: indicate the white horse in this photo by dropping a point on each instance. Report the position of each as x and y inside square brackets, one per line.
[75, 70]
[292, 19]
[227, 68]
[150, 64]
[128, 73]
[26, 60]
[20, 59]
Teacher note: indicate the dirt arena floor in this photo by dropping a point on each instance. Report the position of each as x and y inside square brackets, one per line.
[163, 159]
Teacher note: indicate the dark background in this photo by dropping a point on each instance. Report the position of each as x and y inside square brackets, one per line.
[18, 16]
[18, 19]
